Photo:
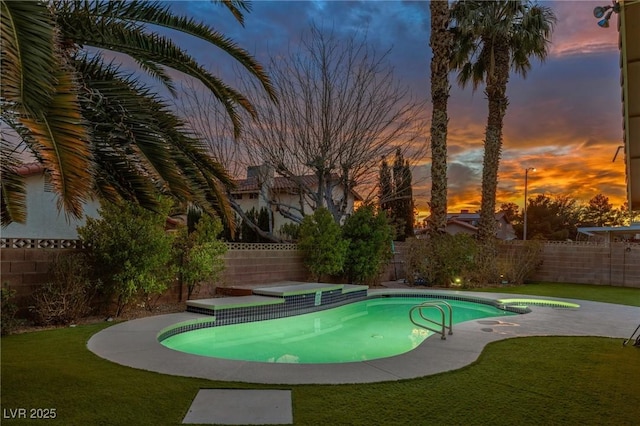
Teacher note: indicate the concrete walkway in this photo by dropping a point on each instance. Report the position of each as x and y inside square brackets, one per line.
[241, 407]
[134, 343]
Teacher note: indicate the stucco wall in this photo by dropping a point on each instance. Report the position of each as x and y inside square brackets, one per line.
[44, 220]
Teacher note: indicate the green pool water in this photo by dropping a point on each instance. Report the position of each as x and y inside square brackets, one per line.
[366, 330]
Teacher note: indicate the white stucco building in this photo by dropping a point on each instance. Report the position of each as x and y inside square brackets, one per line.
[44, 220]
[262, 188]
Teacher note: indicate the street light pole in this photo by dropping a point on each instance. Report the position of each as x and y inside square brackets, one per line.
[526, 183]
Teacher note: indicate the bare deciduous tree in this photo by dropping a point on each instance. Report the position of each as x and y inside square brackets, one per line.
[207, 120]
[340, 109]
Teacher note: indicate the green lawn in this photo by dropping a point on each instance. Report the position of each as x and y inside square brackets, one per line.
[536, 380]
[599, 293]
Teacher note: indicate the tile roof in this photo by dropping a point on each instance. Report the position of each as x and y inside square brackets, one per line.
[462, 224]
[281, 183]
[29, 169]
[473, 216]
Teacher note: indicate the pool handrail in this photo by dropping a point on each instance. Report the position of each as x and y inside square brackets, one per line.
[443, 326]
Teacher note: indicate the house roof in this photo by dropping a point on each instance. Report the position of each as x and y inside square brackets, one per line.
[29, 169]
[468, 217]
[463, 216]
[281, 184]
[602, 230]
[462, 224]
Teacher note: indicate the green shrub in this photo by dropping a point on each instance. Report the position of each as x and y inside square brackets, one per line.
[443, 260]
[290, 231]
[321, 243]
[519, 261]
[369, 236]
[486, 270]
[8, 309]
[261, 219]
[199, 253]
[67, 297]
[418, 265]
[130, 252]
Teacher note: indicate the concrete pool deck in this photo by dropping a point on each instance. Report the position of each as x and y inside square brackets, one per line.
[134, 343]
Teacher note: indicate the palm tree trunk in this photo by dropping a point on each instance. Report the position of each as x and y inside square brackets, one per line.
[497, 79]
[441, 45]
[440, 42]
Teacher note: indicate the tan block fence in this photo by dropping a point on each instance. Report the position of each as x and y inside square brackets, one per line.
[25, 264]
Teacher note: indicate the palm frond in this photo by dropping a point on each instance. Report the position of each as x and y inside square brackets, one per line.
[126, 131]
[60, 139]
[165, 52]
[157, 72]
[234, 7]
[116, 26]
[138, 126]
[524, 27]
[207, 176]
[28, 59]
[155, 13]
[119, 177]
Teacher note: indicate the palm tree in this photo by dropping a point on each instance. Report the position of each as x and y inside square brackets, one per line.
[88, 122]
[491, 38]
[440, 42]
[39, 100]
[441, 46]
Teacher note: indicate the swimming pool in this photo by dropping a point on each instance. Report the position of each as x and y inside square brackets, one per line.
[361, 331]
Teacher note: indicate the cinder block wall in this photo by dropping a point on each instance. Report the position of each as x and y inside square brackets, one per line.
[395, 270]
[25, 269]
[613, 264]
[262, 263]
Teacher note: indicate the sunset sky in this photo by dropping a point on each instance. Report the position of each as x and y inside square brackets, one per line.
[564, 119]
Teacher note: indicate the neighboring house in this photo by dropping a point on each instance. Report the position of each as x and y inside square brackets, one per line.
[611, 234]
[262, 188]
[629, 32]
[467, 223]
[44, 220]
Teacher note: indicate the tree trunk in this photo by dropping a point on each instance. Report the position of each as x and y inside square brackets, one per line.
[497, 78]
[441, 46]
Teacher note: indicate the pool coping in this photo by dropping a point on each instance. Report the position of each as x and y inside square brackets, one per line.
[134, 343]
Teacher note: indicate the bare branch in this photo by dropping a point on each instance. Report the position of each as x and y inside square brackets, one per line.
[339, 111]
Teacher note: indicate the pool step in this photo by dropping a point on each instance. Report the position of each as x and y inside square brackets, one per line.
[276, 301]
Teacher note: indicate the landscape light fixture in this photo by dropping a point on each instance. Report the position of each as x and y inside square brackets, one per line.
[604, 13]
[526, 183]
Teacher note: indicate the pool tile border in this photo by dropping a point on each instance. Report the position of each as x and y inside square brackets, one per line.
[301, 303]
